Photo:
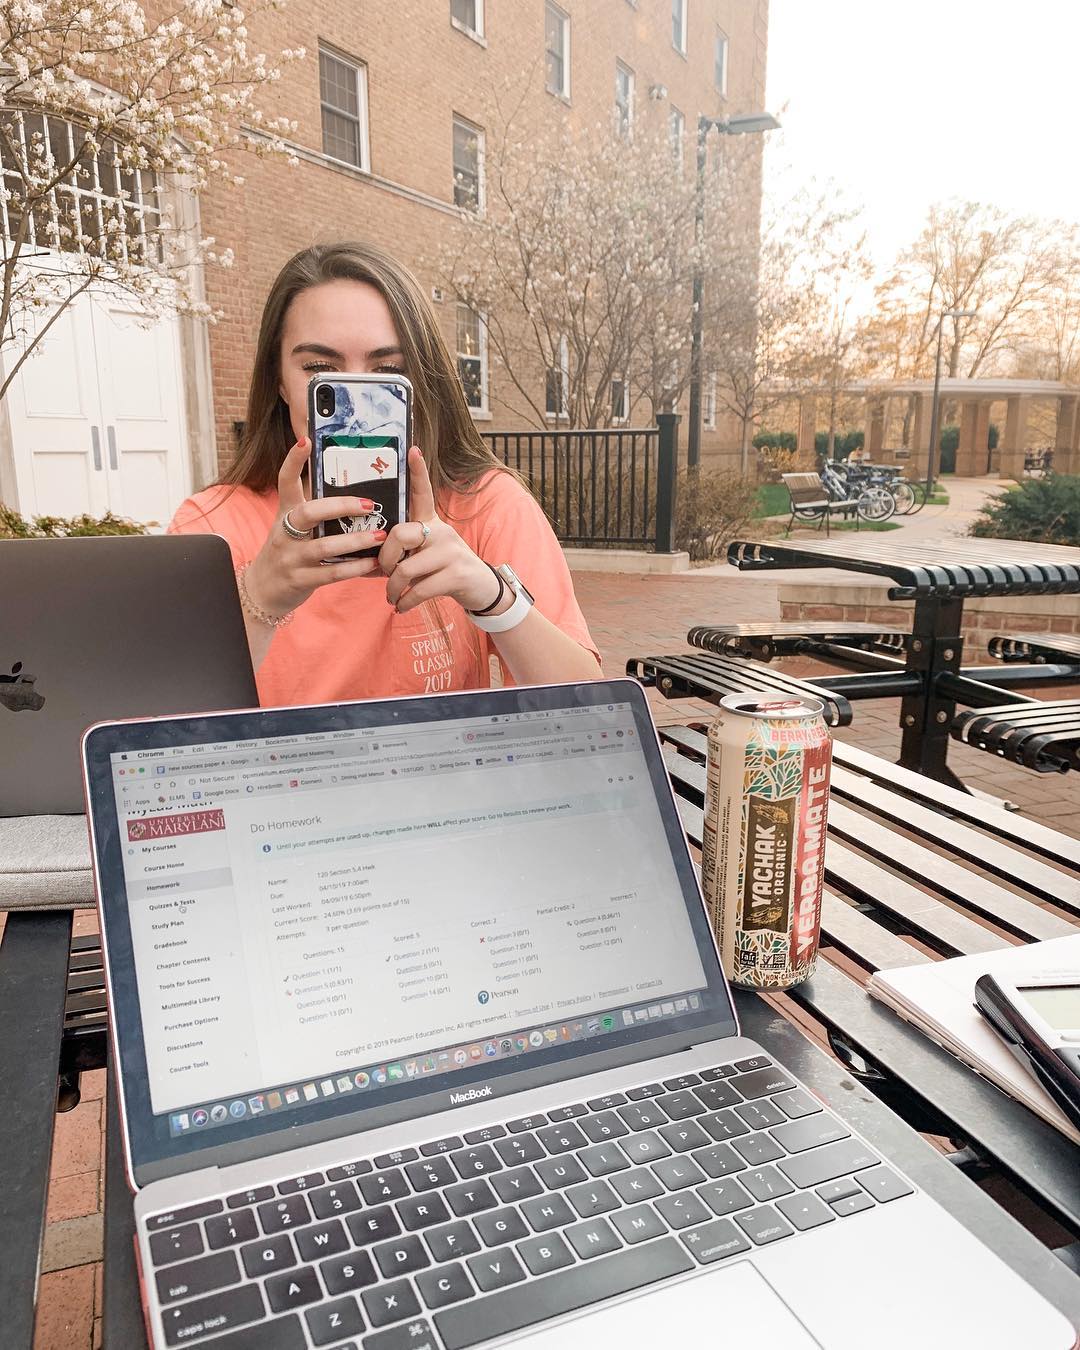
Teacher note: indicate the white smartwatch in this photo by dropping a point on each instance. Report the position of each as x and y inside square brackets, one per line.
[523, 602]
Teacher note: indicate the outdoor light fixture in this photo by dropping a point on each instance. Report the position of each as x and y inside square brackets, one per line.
[727, 126]
[935, 401]
[657, 92]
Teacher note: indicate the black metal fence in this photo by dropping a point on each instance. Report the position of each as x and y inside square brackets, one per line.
[601, 489]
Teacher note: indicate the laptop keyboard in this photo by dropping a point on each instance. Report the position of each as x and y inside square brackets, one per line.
[479, 1235]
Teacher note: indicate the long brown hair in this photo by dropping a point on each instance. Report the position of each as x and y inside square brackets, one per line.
[454, 451]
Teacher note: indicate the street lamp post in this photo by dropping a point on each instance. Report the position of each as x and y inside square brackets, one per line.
[936, 400]
[727, 126]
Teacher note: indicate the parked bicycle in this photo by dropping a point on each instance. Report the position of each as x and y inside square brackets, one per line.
[908, 497]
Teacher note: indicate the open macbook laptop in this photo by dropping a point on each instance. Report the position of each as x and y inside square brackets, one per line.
[108, 627]
[423, 1041]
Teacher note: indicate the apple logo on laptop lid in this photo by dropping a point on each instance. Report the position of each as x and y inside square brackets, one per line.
[17, 692]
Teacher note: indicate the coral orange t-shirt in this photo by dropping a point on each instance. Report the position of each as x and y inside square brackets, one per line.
[347, 642]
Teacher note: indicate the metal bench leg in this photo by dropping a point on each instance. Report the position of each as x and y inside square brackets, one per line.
[925, 717]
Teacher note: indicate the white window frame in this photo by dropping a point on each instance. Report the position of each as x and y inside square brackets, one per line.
[676, 132]
[481, 355]
[721, 84]
[620, 419]
[708, 402]
[678, 17]
[562, 356]
[360, 71]
[462, 27]
[564, 20]
[478, 132]
[624, 125]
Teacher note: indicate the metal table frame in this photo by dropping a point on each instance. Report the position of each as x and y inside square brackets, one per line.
[929, 680]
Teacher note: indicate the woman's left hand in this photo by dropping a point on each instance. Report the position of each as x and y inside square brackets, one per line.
[443, 565]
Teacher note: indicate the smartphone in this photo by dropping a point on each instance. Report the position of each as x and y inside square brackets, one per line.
[361, 429]
[1038, 1018]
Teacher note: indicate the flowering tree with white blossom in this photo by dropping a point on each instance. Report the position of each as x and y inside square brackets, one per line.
[113, 117]
[582, 265]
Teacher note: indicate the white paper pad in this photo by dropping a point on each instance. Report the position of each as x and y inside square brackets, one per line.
[939, 999]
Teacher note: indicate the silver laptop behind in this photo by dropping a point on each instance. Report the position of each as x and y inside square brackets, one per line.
[423, 1041]
[108, 627]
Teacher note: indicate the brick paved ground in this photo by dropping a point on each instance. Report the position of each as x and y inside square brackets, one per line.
[628, 615]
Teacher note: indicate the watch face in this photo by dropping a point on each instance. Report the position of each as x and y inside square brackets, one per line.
[515, 583]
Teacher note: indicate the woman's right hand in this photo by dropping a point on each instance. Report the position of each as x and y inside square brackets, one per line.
[286, 571]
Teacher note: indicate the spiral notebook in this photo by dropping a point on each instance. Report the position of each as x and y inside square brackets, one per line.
[939, 999]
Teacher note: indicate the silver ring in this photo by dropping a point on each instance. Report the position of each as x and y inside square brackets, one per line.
[426, 536]
[291, 530]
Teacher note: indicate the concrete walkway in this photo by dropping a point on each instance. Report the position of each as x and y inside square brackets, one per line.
[966, 497]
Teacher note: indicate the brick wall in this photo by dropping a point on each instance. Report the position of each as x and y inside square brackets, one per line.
[420, 72]
[983, 618]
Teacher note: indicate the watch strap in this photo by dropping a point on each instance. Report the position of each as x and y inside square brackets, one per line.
[502, 623]
[479, 613]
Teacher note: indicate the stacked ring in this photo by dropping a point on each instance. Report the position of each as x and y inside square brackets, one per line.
[291, 530]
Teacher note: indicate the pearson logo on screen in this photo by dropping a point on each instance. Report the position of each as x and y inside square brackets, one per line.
[473, 1094]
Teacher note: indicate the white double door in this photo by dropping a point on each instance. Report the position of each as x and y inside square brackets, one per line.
[96, 415]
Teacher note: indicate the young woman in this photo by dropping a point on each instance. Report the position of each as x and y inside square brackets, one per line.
[404, 622]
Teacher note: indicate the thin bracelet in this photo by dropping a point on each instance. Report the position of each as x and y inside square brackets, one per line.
[479, 613]
[250, 607]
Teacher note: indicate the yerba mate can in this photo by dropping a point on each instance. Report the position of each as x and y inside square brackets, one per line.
[763, 849]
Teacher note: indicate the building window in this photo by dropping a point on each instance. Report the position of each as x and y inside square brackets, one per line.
[557, 384]
[708, 403]
[468, 165]
[472, 358]
[678, 25]
[468, 15]
[676, 128]
[624, 98]
[720, 62]
[343, 91]
[557, 42]
[102, 209]
[620, 401]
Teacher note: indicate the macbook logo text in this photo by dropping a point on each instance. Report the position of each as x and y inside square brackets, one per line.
[473, 1094]
[17, 692]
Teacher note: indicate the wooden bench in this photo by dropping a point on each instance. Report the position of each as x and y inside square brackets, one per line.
[810, 500]
[1041, 735]
[708, 677]
[1040, 648]
[763, 641]
[916, 871]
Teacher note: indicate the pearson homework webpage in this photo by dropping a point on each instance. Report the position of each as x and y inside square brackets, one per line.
[298, 909]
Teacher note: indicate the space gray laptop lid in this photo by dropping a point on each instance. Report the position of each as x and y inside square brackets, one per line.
[108, 627]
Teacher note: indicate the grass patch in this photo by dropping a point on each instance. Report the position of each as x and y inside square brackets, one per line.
[772, 500]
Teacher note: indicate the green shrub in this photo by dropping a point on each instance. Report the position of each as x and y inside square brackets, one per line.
[711, 509]
[1046, 510]
[14, 526]
[775, 440]
[843, 443]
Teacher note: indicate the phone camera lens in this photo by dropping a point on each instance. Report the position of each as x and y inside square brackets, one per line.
[325, 400]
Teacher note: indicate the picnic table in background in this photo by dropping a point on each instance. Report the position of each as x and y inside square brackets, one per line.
[927, 676]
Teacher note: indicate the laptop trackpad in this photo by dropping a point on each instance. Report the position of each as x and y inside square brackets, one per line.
[735, 1301]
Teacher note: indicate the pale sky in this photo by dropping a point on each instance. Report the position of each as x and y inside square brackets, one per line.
[918, 101]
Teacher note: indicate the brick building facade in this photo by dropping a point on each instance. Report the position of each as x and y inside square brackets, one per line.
[386, 84]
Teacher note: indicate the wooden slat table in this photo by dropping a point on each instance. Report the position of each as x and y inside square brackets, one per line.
[916, 871]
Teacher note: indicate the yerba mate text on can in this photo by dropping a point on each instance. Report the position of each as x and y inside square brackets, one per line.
[763, 848]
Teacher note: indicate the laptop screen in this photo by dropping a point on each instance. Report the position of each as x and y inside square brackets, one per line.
[354, 911]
